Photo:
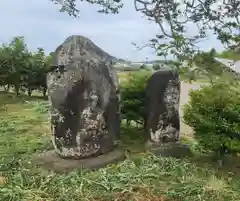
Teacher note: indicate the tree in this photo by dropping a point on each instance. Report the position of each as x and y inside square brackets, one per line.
[133, 96]
[207, 65]
[33, 71]
[22, 69]
[5, 62]
[213, 113]
[229, 54]
[143, 66]
[14, 57]
[35, 76]
[174, 17]
[47, 66]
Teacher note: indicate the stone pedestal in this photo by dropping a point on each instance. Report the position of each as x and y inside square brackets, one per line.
[170, 149]
[50, 161]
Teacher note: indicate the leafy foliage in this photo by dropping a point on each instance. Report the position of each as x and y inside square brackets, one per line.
[207, 68]
[22, 69]
[107, 6]
[230, 54]
[133, 95]
[174, 18]
[143, 66]
[207, 65]
[156, 66]
[13, 59]
[213, 113]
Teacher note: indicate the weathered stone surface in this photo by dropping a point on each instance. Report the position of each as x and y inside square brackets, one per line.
[83, 94]
[50, 161]
[162, 121]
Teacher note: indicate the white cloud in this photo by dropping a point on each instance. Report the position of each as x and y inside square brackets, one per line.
[43, 25]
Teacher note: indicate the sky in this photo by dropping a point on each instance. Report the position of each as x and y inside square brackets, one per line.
[42, 25]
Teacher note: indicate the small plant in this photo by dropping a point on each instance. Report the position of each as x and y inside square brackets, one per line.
[156, 66]
[143, 66]
[214, 114]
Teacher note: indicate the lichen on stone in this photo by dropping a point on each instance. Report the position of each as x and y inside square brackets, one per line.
[83, 98]
[162, 122]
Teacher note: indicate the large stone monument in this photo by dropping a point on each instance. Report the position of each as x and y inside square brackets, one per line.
[162, 121]
[84, 102]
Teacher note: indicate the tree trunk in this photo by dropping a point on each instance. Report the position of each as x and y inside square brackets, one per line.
[17, 89]
[44, 91]
[8, 87]
[128, 122]
[220, 156]
[5, 88]
[29, 91]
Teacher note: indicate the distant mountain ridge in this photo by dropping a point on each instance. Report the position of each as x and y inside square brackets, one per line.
[156, 61]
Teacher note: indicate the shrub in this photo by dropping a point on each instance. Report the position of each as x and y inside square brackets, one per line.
[214, 114]
[143, 66]
[156, 66]
[133, 95]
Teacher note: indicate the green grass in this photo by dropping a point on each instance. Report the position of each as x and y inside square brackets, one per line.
[25, 129]
[125, 74]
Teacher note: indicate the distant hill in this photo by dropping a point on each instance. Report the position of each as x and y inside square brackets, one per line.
[154, 61]
[122, 61]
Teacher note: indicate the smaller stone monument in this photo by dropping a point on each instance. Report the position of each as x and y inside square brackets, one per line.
[162, 120]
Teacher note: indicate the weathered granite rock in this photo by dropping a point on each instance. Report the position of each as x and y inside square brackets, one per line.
[169, 149]
[84, 99]
[162, 121]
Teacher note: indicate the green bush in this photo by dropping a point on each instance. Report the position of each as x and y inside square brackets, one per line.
[156, 66]
[214, 114]
[133, 95]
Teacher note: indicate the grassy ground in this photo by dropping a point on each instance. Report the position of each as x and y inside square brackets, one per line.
[24, 130]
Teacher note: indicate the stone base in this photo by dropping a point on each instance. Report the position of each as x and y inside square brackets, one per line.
[169, 149]
[52, 162]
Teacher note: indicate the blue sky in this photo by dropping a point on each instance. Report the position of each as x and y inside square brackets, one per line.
[42, 25]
